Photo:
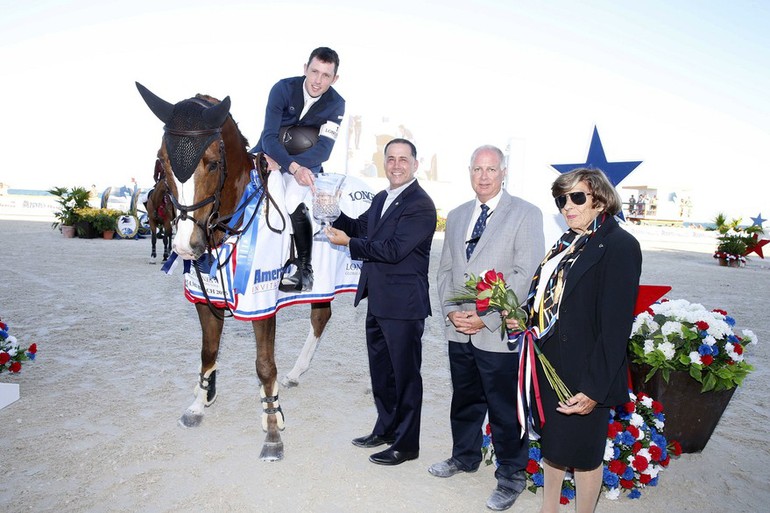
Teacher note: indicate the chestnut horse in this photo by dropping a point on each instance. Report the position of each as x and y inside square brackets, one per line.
[160, 213]
[207, 169]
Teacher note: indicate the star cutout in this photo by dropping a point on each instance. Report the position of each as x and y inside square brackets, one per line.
[647, 295]
[758, 220]
[615, 171]
[757, 247]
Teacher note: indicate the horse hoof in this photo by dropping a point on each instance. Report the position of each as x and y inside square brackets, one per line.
[151, 261]
[272, 451]
[287, 382]
[190, 420]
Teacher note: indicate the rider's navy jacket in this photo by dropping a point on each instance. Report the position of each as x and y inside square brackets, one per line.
[284, 106]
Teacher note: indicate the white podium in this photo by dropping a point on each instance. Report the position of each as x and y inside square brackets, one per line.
[9, 393]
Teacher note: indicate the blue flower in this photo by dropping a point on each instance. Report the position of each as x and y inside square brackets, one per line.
[537, 479]
[730, 321]
[659, 440]
[653, 482]
[610, 478]
[704, 349]
[615, 453]
[634, 494]
[628, 475]
[486, 440]
[534, 453]
[626, 438]
[31, 356]
[3, 334]
[569, 493]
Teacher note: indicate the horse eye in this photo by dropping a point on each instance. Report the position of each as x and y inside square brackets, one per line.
[213, 166]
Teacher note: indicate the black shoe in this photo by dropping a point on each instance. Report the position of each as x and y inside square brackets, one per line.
[447, 468]
[393, 457]
[372, 440]
[502, 498]
[302, 279]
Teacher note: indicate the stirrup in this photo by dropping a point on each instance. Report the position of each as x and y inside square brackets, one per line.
[300, 281]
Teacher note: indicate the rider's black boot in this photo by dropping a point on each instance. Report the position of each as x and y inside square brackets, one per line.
[302, 279]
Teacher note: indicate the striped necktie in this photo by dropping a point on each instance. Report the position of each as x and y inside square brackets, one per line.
[478, 229]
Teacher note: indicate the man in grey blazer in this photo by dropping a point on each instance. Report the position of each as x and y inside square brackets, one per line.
[505, 233]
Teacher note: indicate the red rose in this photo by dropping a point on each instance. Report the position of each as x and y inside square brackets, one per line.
[482, 304]
[15, 367]
[32, 349]
[630, 407]
[563, 500]
[4, 358]
[676, 448]
[636, 447]
[702, 325]
[664, 463]
[738, 349]
[634, 431]
[614, 428]
[645, 478]
[533, 467]
[627, 483]
[657, 407]
[490, 276]
[655, 452]
[641, 463]
[707, 359]
[482, 286]
[617, 467]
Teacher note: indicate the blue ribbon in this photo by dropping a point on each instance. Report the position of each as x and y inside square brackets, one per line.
[247, 241]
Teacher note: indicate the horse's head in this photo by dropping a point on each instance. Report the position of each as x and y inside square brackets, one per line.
[192, 155]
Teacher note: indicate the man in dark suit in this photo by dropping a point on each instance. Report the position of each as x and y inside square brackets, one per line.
[393, 240]
[505, 233]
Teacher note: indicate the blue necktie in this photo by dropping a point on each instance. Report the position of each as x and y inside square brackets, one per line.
[478, 229]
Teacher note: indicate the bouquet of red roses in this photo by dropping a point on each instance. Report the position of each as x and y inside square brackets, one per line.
[491, 291]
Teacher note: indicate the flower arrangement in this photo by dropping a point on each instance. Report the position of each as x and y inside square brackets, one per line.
[102, 219]
[735, 242]
[682, 336]
[635, 453]
[70, 201]
[11, 354]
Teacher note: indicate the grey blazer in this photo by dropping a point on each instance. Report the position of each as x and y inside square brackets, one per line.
[512, 244]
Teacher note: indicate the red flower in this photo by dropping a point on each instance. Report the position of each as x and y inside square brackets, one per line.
[641, 463]
[717, 310]
[645, 478]
[491, 276]
[614, 428]
[481, 286]
[15, 367]
[533, 467]
[627, 483]
[676, 448]
[3, 326]
[32, 349]
[488, 430]
[482, 304]
[563, 500]
[707, 359]
[617, 467]
[657, 407]
[738, 348]
[630, 407]
[655, 452]
[664, 463]
[4, 358]
[636, 447]
[634, 431]
[702, 325]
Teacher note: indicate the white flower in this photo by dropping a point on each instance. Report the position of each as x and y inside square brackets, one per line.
[658, 424]
[671, 328]
[652, 471]
[668, 349]
[638, 421]
[612, 494]
[750, 336]
[709, 340]
[609, 450]
[649, 346]
[647, 401]
[695, 358]
[645, 453]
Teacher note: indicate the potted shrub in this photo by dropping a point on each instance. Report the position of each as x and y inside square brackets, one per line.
[690, 359]
[96, 221]
[70, 200]
[735, 242]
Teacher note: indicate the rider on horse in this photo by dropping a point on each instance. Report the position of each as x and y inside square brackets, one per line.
[302, 120]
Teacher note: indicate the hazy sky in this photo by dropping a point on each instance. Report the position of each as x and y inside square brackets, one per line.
[681, 85]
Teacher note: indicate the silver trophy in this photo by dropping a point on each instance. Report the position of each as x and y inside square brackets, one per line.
[326, 201]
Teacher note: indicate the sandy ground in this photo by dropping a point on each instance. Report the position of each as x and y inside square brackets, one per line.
[96, 426]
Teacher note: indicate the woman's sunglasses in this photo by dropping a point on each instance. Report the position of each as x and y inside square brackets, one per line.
[578, 198]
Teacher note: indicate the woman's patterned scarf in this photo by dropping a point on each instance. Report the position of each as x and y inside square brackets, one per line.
[549, 306]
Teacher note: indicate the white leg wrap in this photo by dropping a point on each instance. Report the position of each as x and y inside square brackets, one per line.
[304, 358]
[276, 408]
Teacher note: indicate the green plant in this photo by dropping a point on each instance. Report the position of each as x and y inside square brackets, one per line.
[102, 219]
[70, 201]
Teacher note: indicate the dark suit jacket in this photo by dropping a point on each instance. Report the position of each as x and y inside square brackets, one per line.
[395, 250]
[596, 313]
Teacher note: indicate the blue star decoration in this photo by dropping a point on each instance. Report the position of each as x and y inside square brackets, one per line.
[758, 220]
[615, 171]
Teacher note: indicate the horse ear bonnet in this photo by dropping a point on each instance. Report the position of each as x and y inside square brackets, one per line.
[195, 114]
